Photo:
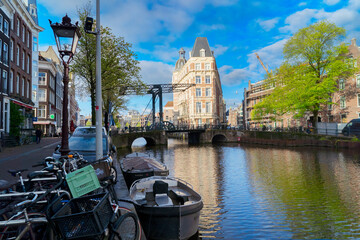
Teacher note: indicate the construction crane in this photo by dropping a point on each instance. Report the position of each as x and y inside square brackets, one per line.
[266, 69]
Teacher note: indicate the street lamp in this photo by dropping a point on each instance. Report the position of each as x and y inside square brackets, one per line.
[67, 36]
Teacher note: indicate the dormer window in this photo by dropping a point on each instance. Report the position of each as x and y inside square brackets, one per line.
[202, 53]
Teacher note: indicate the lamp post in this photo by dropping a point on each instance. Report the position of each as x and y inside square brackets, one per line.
[67, 36]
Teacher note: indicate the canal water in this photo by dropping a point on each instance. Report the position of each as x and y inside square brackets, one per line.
[252, 192]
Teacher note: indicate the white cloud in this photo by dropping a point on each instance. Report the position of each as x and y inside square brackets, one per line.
[267, 25]
[156, 72]
[209, 28]
[302, 4]
[270, 55]
[331, 2]
[219, 49]
[346, 17]
[235, 77]
[301, 19]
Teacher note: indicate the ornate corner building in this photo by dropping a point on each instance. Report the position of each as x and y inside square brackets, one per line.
[203, 103]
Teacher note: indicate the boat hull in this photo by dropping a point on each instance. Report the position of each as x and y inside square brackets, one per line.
[178, 222]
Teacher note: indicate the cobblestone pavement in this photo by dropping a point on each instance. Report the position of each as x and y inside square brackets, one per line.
[23, 157]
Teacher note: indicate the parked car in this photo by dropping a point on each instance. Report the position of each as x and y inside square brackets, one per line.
[83, 141]
[352, 128]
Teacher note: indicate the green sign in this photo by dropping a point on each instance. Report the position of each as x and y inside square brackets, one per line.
[52, 116]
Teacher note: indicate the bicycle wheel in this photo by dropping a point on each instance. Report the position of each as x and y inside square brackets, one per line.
[113, 174]
[126, 227]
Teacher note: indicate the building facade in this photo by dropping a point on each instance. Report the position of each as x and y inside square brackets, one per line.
[5, 13]
[346, 101]
[46, 112]
[203, 103]
[169, 112]
[23, 29]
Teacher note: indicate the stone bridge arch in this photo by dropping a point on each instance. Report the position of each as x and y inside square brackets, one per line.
[121, 140]
[219, 138]
[150, 141]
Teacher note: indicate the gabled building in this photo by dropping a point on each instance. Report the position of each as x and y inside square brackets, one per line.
[24, 31]
[202, 103]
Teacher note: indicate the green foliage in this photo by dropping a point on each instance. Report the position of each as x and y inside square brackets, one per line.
[355, 139]
[16, 120]
[308, 77]
[119, 67]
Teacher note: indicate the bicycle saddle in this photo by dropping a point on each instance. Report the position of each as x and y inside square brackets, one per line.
[14, 172]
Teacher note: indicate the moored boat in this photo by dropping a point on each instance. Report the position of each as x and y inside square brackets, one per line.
[168, 208]
[137, 166]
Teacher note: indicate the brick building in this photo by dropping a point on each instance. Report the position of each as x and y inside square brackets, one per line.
[346, 101]
[203, 103]
[5, 13]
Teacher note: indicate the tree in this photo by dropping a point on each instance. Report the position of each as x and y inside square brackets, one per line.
[314, 62]
[16, 120]
[119, 67]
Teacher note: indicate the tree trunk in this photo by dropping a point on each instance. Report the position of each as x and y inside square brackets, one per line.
[315, 119]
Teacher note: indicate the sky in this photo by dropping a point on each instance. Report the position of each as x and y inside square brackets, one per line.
[235, 29]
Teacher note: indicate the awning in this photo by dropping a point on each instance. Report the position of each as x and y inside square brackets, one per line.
[44, 122]
[21, 103]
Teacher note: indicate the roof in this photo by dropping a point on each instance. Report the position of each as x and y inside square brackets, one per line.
[201, 43]
[169, 104]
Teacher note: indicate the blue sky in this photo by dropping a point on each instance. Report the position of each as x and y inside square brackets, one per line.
[236, 29]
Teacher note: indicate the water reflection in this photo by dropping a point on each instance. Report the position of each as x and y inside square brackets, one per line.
[266, 193]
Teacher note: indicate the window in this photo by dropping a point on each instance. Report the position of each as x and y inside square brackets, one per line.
[6, 27]
[41, 112]
[5, 80]
[202, 53]
[11, 81]
[28, 64]
[197, 66]
[207, 66]
[27, 89]
[42, 95]
[341, 84]
[208, 107]
[12, 50]
[198, 92]
[358, 100]
[35, 44]
[342, 102]
[23, 86]
[1, 22]
[28, 39]
[207, 79]
[330, 106]
[17, 83]
[358, 81]
[23, 33]
[198, 80]
[208, 92]
[18, 27]
[254, 101]
[198, 107]
[42, 78]
[6, 54]
[18, 55]
[23, 60]
[343, 118]
[51, 97]
[0, 49]
[52, 82]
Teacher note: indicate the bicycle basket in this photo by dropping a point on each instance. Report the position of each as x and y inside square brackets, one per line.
[82, 217]
[82, 181]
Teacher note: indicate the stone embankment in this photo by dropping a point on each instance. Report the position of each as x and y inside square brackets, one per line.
[287, 139]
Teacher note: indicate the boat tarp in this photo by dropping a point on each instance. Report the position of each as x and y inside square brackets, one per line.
[141, 163]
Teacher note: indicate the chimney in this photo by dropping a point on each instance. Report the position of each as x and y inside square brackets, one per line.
[353, 42]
